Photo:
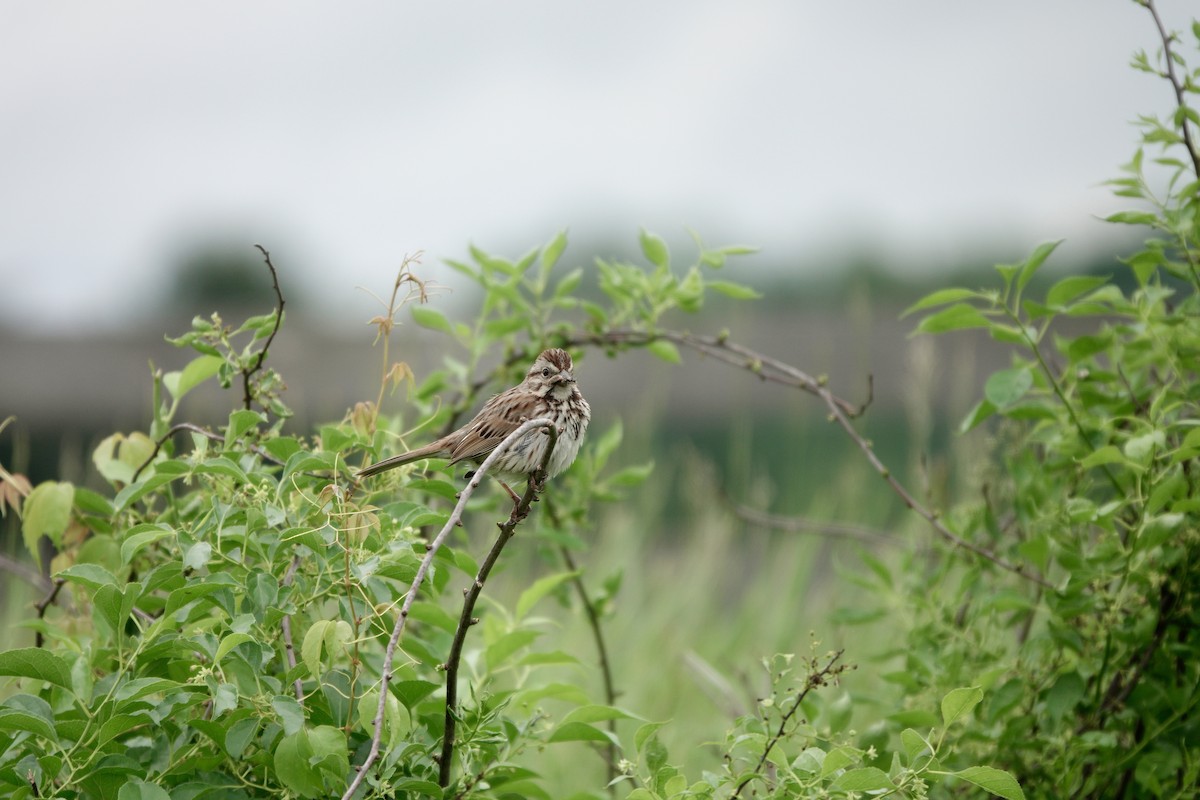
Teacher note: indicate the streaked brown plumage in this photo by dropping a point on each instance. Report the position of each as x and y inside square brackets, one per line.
[549, 390]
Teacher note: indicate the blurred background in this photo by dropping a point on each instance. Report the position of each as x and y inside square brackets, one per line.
[872, 150]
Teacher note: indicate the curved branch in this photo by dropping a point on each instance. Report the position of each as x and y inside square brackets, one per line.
[840, 411]
[432, 547]
[466, 620]
[206, 433]
[247, 398]
[1173, 79]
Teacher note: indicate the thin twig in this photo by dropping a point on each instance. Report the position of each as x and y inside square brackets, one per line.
[466, 620]
[834, 530]
[432, 547]
[1180, 99]
[814, 680]
[593, 620]
[286, 624]
[207, 434]
[25, 573]
[247, 397]
[840, 411]
[44, 603]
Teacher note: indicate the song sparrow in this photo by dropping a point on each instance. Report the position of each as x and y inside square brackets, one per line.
[549, 390]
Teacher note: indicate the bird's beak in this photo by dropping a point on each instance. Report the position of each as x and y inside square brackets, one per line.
[564, 377]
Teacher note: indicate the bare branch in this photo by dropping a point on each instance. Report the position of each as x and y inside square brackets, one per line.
[466, 620]
[25, 573]
[207, 434]
[834, 530]
[286, 625]
[840, 411]
[593, 620]
[45, 603]
[1176, 84]
[247, 398]
[432, 547]
[816, 679]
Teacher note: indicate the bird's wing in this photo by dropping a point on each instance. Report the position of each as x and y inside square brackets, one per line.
[499, 417]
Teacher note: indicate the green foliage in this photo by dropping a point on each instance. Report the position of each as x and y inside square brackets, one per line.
[225, 606]
[1094, 683]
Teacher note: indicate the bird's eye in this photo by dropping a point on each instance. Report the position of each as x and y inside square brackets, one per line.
[545, 372]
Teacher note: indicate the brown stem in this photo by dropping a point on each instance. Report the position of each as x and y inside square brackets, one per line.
[207, 434]
[815, 680]
[289, 648]
[593, 620]
[247, 396]
[453, 521]
[44, 603]
[466, 620]
[834, 530]
[1180, 99]
[25, 573]
[840, 411]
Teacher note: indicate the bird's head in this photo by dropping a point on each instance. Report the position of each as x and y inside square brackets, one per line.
[552, 374]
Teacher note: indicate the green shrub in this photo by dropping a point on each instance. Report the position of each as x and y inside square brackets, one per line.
[238, 617]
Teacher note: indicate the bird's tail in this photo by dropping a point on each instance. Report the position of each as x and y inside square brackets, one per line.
[428, 451]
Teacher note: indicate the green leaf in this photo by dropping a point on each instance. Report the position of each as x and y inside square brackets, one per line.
[1071, 287]
[293, 765]
[505, 325]
[194, 591]
[137, 789]
[118, 457]
[397, 722]
[431, 318]
[92, 576]
[241, 421]
[15, 720]
[665, 350]
[1109, 454]
[735, 290]
[113, 606]
[655, 249]
[941, 297]
[197, 371]
[1142, 448]
[119, 724]
[140, 536]
[631, 476]
[864, 779]
[914, 744]
[569, 282]
[540, 588]
[1007, 386]
[553, 250]
[224, 467]
[580, 732]
[228, 643]
[982, 410]
[957, 317]
[46, 512]
[644, 733]
[499, 651]
[89, 502]
[836, 759]
[959, 702]
[1132, 218]
[1040, 254]
[597, 713]
[996, 781]
[36, 663]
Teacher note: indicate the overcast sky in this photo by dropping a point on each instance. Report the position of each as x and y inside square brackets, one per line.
[344, 135]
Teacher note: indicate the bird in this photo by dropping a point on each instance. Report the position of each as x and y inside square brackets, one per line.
[549, 390]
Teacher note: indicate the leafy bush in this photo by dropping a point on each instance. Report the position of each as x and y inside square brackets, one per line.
[239, 617]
